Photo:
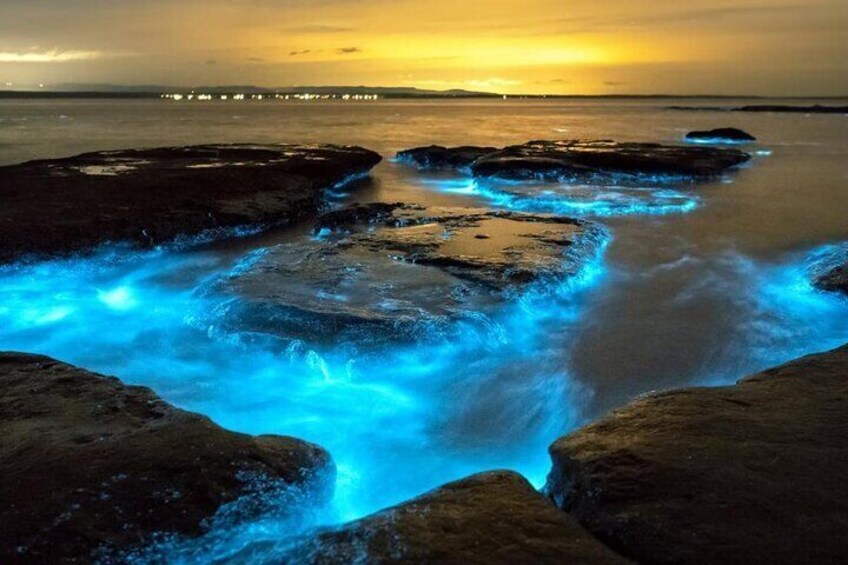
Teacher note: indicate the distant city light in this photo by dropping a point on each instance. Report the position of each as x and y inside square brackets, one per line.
[301, 96]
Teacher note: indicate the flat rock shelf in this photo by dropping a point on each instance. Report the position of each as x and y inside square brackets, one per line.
[151, 196]
[379, 271]
[579, 160]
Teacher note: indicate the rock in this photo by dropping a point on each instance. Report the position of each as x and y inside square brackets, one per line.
[381, 271]
[87, 461]
[151, 196]
[721, 135]
[817, 109]
[494, 517]
[439, 157]
[752, 473]
[834, 280]
[581, 160]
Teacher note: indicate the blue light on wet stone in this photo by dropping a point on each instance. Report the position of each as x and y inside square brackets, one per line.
[582, 200]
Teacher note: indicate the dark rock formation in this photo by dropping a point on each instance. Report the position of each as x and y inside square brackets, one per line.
[556, 160]
[834, 280]
[382, 271]
[752, 473]
[86, 461]
[439, 157]
[151, 196]
[721, 135]
[493, 517]
[817, 109]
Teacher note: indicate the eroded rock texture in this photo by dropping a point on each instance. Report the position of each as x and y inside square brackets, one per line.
[379, 271]
[494, 517]
[88, 462]
[752, 473]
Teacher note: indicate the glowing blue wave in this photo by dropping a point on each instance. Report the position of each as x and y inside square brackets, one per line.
[398, 420]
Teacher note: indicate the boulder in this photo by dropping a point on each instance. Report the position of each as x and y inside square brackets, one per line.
[586, 160]
[89, 463]
[752, 473]
[494, 517]
[721, 135]
[151, 196]
[381, 271]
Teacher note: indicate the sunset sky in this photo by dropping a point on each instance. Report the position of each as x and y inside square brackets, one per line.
[766, 47]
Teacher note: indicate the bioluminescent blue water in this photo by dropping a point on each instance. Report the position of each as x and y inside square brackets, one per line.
[568, 199]
[701, 284]
[398, 420]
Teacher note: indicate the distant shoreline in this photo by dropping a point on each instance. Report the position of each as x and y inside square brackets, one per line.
[270, 96]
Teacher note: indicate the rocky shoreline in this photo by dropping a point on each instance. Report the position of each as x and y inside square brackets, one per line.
[733, 474]
[91, 464]
[700, 475]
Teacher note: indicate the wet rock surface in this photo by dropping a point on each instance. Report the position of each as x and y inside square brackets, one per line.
[440, 157]
[87, 462]
[151, 196]
[401, 267]
[743, 474]
[721, 135]
[834, 280]
[581, 159]
[494, 517]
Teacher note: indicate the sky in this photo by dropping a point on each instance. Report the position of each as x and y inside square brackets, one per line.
[760, 47]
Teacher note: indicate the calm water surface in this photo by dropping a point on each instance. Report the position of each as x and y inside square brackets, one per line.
[713, 288]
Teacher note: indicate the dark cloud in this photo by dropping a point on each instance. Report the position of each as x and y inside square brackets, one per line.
[348, 50]
[298, 53]
[256, 59]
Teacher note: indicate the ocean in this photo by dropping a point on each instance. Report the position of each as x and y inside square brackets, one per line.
[696, 284]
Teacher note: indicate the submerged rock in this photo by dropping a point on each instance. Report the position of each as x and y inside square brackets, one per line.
[87, 461]
[721, 135]
[834, 280]
[151, 196]
[580, 159]
[752, 473]
[494, 517]
[403, 267]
